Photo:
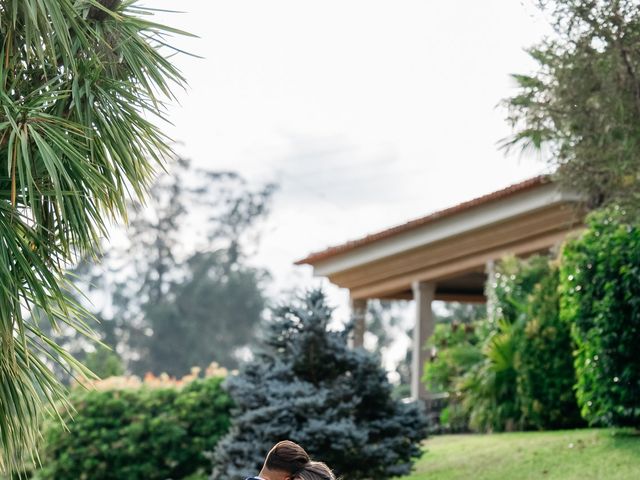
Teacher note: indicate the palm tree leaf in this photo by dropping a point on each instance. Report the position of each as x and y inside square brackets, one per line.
[81, 97]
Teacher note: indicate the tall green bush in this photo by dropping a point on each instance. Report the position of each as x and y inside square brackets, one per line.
[138, 434]
[458, 348]
[600, 281]
[489, 388]
[544, 361]
[526, 378]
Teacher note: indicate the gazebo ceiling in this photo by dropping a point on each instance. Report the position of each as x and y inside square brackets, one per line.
[452, 247]
[467, 287]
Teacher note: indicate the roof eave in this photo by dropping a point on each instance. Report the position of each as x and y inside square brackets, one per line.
[498, 195]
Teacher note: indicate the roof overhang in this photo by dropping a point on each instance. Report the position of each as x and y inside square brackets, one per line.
[453, 244]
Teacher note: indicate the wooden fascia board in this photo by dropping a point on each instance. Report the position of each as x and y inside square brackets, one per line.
[553, 219]
[472, 219]
[458, 266]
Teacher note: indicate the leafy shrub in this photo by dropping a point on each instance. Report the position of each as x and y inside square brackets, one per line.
[544, 361]
[526, 379]
[457, 349]
[515, 280]
[454, 417]
[489, 389]
[141, 433]
[600, 280]
[307, 385]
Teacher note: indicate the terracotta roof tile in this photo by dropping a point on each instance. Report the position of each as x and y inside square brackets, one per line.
[419, 222]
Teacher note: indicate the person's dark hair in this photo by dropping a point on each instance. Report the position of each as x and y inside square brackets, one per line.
[315, 471]
[287, 456]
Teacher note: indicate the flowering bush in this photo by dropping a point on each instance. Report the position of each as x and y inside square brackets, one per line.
[152, 381]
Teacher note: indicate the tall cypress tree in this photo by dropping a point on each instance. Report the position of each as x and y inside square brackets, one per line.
[307, 385]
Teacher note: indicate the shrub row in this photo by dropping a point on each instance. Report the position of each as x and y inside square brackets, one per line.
[154, 432]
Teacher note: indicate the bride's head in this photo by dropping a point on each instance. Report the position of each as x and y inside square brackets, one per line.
[315, 471]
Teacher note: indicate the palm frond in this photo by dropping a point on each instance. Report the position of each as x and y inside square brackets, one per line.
[80, 99]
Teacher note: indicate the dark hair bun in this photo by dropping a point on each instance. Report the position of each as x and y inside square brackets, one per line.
[287, 456]
[315, 471]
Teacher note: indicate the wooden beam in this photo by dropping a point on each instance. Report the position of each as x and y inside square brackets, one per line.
[444, 297]
[461, 297]
[554, 219]
[458, 266]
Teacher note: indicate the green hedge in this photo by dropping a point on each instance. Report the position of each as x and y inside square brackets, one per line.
[490, 388]
[544, 361]
[135, 434]
[600, 279]
[526, 377]
[458, 348]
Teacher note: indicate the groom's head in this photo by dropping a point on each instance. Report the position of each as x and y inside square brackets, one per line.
[284, 460]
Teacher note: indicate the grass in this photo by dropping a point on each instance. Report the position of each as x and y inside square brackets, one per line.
[570, 454]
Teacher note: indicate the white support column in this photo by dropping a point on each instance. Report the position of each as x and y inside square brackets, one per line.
[358, 313]
[423, 295]
[489, 291]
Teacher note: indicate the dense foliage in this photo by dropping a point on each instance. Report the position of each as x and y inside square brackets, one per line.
[491, 387]
[518, 372]
[81, 98]
[307, 385]
[544, 361]
[457, 347]
[582, 105]
[600, 278]
[147, 433]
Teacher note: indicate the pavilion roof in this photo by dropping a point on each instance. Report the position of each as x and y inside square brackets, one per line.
[517, 188]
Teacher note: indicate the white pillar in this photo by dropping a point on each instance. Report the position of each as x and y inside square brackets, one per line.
[358, 313]
[490, 291]
[423, 295]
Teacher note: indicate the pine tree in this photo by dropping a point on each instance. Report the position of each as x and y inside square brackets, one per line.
[307, 385]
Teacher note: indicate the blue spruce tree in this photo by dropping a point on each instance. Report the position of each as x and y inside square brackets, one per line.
[308, 386]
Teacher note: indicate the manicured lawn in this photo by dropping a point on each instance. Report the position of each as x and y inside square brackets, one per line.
[571, 454]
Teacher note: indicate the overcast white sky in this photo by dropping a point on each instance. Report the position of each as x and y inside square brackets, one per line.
[367, 112]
